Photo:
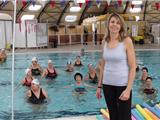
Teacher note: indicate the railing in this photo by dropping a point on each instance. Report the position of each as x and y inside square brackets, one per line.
[70, 39]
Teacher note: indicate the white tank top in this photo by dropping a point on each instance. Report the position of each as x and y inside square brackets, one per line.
[116, 67]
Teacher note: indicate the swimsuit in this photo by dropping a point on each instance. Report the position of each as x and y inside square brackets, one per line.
[80, 88]
[35, 71]
[33, 99]
[93, 80]
[80, 64]
[50, 74]
[27, 83]
[149, 91]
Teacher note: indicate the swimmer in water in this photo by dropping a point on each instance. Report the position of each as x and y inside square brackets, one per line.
[36, 95]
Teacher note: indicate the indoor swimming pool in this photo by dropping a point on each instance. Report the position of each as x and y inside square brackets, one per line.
[62, 101]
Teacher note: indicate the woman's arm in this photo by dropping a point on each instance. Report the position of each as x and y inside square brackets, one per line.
[40, 68]
[101, 67]
[23, 81]
[132, 68]
[131, 62]
[44, 93]
[101, 73]
[28, 94]
[86, 77]
[45, 72]
[98, 92]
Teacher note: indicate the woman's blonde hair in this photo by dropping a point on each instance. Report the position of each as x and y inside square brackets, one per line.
[122, 32]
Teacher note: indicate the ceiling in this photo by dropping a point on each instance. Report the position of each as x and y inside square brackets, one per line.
[56, 11]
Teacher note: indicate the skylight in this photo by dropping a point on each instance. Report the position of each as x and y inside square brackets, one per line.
[34, 7]
[27, 17]
[75, 9]
[137, 2]
[81, 1]
[135, 10]
[70, 18]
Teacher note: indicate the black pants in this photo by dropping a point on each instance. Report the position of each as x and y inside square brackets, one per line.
[118, 109]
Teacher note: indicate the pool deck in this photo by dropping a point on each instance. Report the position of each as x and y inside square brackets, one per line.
[93, 117]
[78, 47]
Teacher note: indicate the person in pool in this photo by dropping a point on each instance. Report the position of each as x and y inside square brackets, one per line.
[82, 52]
[28, 78]
[36, 95]
[69, 67]
[50, 71]
[3, 55]
[92, 75]
[137, 68]
[148, 86]
[35, 67]
[78, 61]
[79, 85]
[144, 73]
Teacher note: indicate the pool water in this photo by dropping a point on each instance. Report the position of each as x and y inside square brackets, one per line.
[62, 101]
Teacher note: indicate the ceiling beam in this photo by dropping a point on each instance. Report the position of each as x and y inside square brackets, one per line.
[3, 4]
[145, 9]
[63, 11]
[46, 18]
[22, 9]
[126, 7]
[42, 11]
[82, 15]
[105, 8]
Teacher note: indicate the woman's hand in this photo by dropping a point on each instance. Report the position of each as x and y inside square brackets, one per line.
[98, 93]
[125, 95]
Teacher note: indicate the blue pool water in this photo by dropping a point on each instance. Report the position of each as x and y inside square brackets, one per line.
[62, 100]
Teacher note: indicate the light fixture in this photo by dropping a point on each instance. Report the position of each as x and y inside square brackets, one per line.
[135, 10]
[27, 17]
[70, 18]
[137, 18]
[34, 7]
[4, 16]
[137, 2]
[81, 1]
[75, 9]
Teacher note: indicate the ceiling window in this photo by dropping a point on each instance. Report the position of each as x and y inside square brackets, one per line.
[75, 9]
[137, 2]
[34, 7]
[70, 18]
[135, 10]
[80, 1]
[27, 17]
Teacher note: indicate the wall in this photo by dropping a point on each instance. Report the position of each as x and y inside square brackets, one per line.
[5, 33]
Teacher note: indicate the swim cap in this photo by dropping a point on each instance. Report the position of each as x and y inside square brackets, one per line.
[34, 59]
[49, 61]
[35, 81]
[69, 62]
[27, 70]
[90, 65]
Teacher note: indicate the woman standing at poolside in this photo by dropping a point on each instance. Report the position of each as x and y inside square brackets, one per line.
[118, 69]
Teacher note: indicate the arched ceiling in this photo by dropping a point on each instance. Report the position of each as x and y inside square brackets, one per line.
[55, 13]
